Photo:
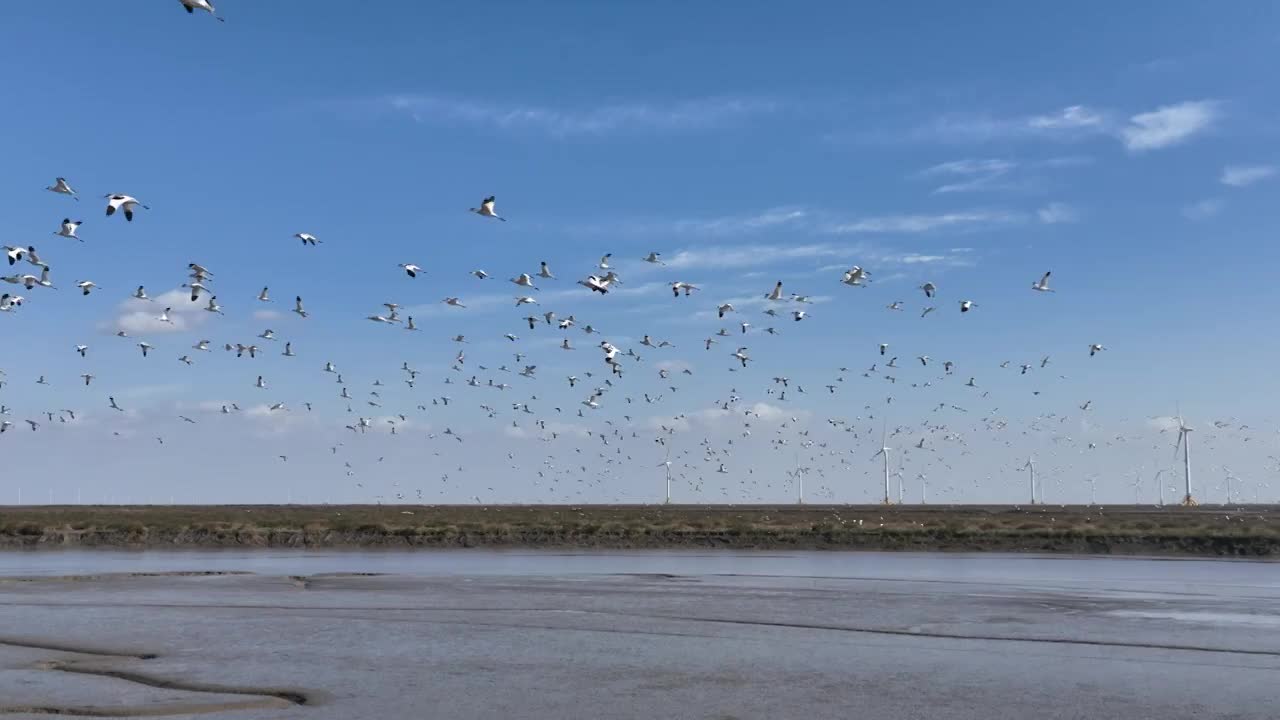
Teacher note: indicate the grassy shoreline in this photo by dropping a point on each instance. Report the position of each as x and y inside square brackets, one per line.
[1214, 531]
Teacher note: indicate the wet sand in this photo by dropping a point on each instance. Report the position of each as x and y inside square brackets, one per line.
[480, 634]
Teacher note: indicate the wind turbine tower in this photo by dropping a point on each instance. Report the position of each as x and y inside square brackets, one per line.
[1184, 441]
[667, 464]
[884, 450]
[1031, 468]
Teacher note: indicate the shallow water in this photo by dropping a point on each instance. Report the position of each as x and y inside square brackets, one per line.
[481, 633]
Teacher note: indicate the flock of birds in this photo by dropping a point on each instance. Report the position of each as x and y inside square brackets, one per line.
[598, 447]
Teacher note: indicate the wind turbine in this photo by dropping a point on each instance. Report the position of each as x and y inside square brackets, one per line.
[884, 450]
[1185, 443]
[924, 488]
[1229, 478]
[667, 464]
[1159, 487]
[1031, 466]
[799, 481]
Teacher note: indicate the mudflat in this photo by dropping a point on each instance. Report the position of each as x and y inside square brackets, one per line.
[482, 634]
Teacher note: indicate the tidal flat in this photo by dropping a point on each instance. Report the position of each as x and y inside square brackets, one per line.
[483, 633]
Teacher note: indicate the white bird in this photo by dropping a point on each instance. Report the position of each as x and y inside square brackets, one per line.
[545, 272]
[929, 289]
[725, 308]
[1094, 349]
[966, 305]
[85, 286]
[410, 269]
[895, 305]
[268, 334]
[297, 307]
[213, 305]
[89, 378]
[14, 253]
[654, 258]
[145, 347]
[676, 287]
[410, 325]
[125, 203]
[260, 384]
[486, 209]
[196, 288]
[81, 349]
[604, 261]
[205, 5]
[33, 258]
[263, 296]
[798, 315]
[202, 345]
[776, 293]
[9, 302]
[524, 280]
[140, 294]
[1042, 285]
[61, 187]
[68, 229]
[855, 276]
[454, 302]
[741, 355]
[164, 316]
[112, 400]
[308, 239]
[480, 274]
[522, 300]
[595, 284]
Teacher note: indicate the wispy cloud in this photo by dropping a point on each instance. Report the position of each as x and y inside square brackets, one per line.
[716, 258]
[1057, 213]
[680, 116]
[1169, 125]
[722, 226]
[1245, 175]
[1073, 117]
[970, 174]
[902, 224]
[1165, 126]
[1204, 209]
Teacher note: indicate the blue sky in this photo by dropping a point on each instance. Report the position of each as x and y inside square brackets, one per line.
[1128, 149]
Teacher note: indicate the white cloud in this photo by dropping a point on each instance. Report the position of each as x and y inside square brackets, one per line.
[727, 225]
[1069, 118]
[925, 223]
[974, 173]
[1165, 126]
[748, 255]
[688, 115]
[1244, 175]
[1056, 213]
[139, 317]
[1204, 209]
[1169, 125]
